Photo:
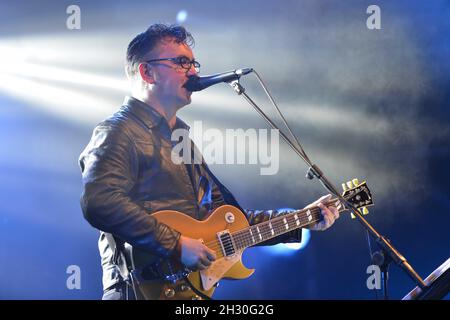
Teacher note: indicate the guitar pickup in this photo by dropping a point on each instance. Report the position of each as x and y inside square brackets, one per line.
[226, 243]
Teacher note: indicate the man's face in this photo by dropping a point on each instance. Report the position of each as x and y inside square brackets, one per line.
[170, 77]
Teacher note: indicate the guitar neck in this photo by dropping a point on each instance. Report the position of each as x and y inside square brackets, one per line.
[267, 230]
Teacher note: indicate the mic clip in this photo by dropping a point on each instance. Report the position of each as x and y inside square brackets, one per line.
[237, 86]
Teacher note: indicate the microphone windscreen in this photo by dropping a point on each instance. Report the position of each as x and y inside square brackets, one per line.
[192, 84]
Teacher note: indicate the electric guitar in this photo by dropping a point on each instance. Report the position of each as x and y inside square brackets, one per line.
[228, 233]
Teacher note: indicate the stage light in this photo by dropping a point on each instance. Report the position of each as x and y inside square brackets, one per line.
[75, 105]
[182, 16]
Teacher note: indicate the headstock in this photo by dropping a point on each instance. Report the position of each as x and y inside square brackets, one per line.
[358, 194]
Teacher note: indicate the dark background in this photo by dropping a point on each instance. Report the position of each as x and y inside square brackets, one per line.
[371, 104]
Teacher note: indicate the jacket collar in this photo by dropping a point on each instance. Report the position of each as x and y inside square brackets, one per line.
[149, 115]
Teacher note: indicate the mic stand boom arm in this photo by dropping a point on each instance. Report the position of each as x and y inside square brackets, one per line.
[314, 171]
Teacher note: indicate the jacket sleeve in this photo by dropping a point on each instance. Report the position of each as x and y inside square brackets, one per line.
[109, 167]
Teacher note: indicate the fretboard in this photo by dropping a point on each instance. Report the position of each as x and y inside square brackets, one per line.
[272, 228]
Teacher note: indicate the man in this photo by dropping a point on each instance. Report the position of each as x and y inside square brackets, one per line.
[128, 173]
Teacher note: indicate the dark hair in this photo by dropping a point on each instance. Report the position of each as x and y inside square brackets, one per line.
[146, 41]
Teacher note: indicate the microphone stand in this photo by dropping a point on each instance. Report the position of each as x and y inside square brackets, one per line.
[387, 249]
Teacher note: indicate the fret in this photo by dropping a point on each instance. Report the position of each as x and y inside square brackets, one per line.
[286, 224]
[271, 229]
[297, 221]
[251, 234]
[308, 214]
[259, 233]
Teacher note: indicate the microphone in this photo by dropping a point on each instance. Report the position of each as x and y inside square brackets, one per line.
[196, 83]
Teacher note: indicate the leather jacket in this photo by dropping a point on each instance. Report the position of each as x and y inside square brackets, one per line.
[128, 174]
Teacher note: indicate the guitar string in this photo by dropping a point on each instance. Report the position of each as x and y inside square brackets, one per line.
[243, 235]
[241, 238]
[243, 244]
[277, 219]
[278, 228]
[279, 225]
[246, 243]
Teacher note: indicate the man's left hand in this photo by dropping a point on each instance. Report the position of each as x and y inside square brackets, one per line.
[330, 213]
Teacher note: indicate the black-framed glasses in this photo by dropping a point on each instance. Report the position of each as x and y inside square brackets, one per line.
[182, 61]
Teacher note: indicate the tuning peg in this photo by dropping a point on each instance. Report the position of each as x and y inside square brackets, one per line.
[349, 184]
[363, 211]
[344, 187]
[355, 182]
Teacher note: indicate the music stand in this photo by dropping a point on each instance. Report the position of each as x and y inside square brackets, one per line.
[438, 285]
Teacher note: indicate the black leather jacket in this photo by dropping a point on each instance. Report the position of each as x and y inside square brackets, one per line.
[128, 174]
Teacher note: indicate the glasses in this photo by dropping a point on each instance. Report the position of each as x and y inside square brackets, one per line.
[183, 62]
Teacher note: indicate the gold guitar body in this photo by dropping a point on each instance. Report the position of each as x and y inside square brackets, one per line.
[199, 284]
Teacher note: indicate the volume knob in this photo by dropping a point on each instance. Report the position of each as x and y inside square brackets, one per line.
[229, 217]
[169, 293]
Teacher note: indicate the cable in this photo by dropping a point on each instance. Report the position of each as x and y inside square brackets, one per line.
[280, 114]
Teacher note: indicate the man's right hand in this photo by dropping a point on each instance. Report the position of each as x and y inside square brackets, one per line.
[194, 254]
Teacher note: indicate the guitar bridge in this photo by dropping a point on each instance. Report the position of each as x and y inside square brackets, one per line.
[226, 243]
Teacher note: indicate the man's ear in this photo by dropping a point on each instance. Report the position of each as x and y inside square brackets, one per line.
[146, 73]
